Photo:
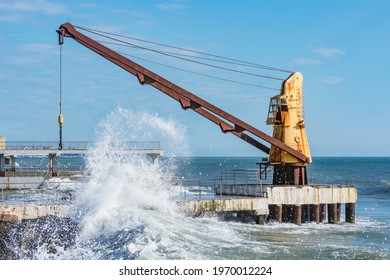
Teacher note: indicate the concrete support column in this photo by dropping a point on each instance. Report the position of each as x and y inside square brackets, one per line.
[2, 165]
[322, 212]
[287, 212]
[260, 219]
[332, 213]
[153, 157]
[338, 212]
[53, 164]
[315, 213]
[296, 175]
[13, 163]
[297, 215]
[305, 213]
[350, 213]
[275, 212]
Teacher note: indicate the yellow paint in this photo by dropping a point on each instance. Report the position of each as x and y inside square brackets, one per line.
[286, 115]
[60, 119]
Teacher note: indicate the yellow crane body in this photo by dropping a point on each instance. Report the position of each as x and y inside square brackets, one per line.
[286, 115]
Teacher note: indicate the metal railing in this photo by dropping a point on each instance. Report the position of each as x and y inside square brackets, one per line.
[75, 145]
[242, 182]
[195, 189]
[236, 182]
[39, 193]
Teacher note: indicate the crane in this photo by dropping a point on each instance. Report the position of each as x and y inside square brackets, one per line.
[289, 152]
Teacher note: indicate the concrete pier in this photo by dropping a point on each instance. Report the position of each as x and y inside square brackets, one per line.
[16, 213]
[12, 149]
[297, 204]
[20, 183]
[232, 204]
[256, 206]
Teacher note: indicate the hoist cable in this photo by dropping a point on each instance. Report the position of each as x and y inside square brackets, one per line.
[60, 117]
[188, 50]
[197, 73]
[246, 64]
[185, 59]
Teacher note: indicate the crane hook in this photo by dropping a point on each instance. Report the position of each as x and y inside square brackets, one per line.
[60, 121]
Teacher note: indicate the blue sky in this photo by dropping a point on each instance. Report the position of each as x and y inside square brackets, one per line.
[340, 47]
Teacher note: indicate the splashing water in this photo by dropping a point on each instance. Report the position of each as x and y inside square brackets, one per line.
[129, 194]
[124, 206]
[124, 125]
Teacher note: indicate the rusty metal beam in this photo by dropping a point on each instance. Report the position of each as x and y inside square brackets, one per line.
[226, 121]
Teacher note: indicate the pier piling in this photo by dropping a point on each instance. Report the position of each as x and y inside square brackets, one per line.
[276, 213]
[260, 219]
[53, 164]
[332, 213]
[297, 214]
[305, 213]
[315, 213]
[322, 212]
[350, 213]
[287, 213]
[338, 212]
[2, 165]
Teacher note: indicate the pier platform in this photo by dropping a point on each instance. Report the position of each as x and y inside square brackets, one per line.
[45, 148]
[17, 213]
[295, 204]
[10, 150]
[226, 204]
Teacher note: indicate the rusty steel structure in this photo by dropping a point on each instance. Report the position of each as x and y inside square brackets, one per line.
[289, 160]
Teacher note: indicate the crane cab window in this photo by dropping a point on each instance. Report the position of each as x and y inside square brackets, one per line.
[283, 104]
[273, 110]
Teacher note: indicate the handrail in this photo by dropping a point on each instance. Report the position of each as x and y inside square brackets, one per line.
[23, 194]
[73, 145]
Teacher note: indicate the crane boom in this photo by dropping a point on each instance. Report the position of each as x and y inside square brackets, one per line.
[187, 100]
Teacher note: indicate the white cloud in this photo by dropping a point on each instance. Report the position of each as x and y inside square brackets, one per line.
[173, 5]
[329, 52]
[37, 47]
[31, 54]
[334, 80]
[306, 61]
[146, 22]
[90, 5]
[323, 53]
[32, 6]
[12, 17]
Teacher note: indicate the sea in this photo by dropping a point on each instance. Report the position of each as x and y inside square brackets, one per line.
[125, 206]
